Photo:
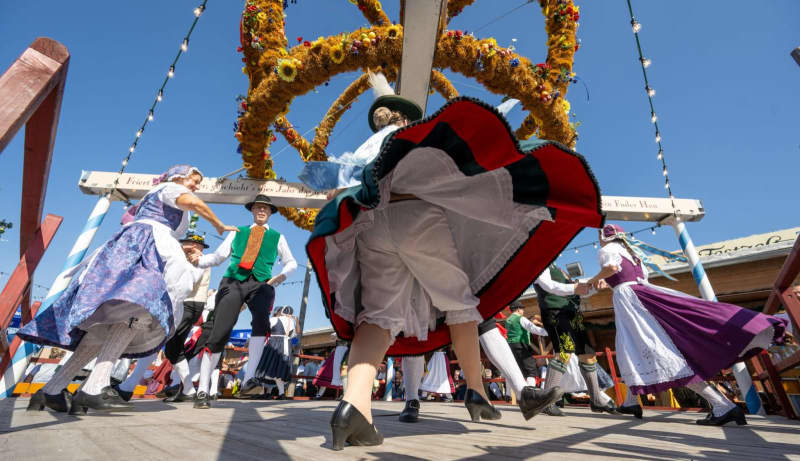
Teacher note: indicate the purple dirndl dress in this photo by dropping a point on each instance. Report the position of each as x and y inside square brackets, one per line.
[139, 276]
[667, 339]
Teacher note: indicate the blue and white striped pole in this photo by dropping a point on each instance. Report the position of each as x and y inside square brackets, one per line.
[387, 395]
[739, 369]
[21, 359]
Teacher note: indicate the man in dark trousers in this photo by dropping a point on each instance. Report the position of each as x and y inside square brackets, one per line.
[253, 251]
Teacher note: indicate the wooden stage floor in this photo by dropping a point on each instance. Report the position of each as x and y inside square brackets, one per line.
[298, 430]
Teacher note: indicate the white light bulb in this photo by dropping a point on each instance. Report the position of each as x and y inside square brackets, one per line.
[664, 172]
[125, 162]
[651, 92]
[185, 44]
[139, 134]
[666, 185]
[132, 148]
[171, 72]
[150, 116]
[594, 245]
[653, 118]
[636, 27]
[198, 11]
[160, 96]
[576, 251]
[658, 138]
[646, 62]
[660, 154]
[653, 230]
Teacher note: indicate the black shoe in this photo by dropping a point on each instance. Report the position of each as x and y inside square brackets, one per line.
[37, 401]
[106, 400]
[735, 414]
[216, 396]
[635, 410]
[478, 407]
[170, 391]
[201, 401]
[533, 401]
[507, 398]
[349, 425]
[410, 413]
[181, 397]
[250, 389]
[610, 408]
[61, 402]
[125, 395]
[553, 410]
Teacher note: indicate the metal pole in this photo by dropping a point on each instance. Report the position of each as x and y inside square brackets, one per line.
[739, 369]
[76, 255]
[302, 321]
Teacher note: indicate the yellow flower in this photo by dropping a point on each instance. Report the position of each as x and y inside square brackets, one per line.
[262, 17]
[337, 54]
[566, 105]
[393, 31]
[247, 165]
[287, 70]
[377, 6]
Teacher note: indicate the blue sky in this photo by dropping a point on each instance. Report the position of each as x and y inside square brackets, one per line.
[727, 100]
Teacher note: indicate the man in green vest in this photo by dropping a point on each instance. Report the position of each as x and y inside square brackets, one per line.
[559, 303]
[253, 251]
[518, 330]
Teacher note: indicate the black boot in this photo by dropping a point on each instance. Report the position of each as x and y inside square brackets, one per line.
[532, 401]
[410, 413]
[349, 425]
[170, 391]
[179, 396]
[250, 389]
[478, 407]
[610, 408]
[553, 410]
[106, 400]
[734, 414]
[201, 401]
[635, 410]
[125, 395]
[37, 401]
[61, 402]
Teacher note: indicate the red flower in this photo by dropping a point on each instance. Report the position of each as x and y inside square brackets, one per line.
[299, 39]
[449, 33]
[274, 138]
[459, 33]
[306, 43]
[239, 49]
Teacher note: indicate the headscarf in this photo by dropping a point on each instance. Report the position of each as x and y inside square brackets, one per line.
[177, 171]
[635, 248]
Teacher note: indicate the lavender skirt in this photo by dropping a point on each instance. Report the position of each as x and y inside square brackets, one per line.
[710, 335]
[124, 280]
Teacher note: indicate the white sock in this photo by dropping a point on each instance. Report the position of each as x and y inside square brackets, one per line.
[182, 369]
[86, 351]
[174, 378]
[719, 403]
[630, 399]
[605, 399]
[413, 369]
[321, 391]
[119, 336]
[194, 367]
[142, 365]
[255, 348]
[214, 382]
[281, 386]
[207, 364]
[499, 353]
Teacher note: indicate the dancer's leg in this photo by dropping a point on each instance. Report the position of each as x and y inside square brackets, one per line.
[142, 365]
[119, 336]
[207, 364]
[369, 346]
[185, 375]
[631, 399]
[255, 348]
[719, 403]
[499, 353]
[465, 344]
[87, 350]
[413, 369]
[588, 367]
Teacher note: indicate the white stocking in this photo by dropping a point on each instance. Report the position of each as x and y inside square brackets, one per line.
[719, 403]
[281, 386]
[207, 364]
[214, 382]
[255, 348]
[86, 351]
[413, 369]
[499, 353]
[631, 399]
[321, 391]
[182, 369]
[119, 336]
[142, 365]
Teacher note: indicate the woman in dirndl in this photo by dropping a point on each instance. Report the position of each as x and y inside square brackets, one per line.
[276, 360]
[123, 301]
[666, 338]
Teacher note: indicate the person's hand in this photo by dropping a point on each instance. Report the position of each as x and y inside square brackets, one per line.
[277, 280]
[222, 228]
[537, 321]
[193, 257]
[582, 289]
[602, 284]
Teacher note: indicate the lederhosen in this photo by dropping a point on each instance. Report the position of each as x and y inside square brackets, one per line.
[562, 318]
[520, 344]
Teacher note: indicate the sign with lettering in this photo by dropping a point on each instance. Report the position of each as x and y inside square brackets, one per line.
[650, 208]
[742, 246]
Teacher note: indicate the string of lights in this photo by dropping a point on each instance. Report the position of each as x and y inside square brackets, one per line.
[41, 287]
[160, 93]
[651, 92]
[576, 249]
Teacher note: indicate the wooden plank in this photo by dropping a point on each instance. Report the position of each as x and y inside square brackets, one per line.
[27, 83]
[20, 279]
